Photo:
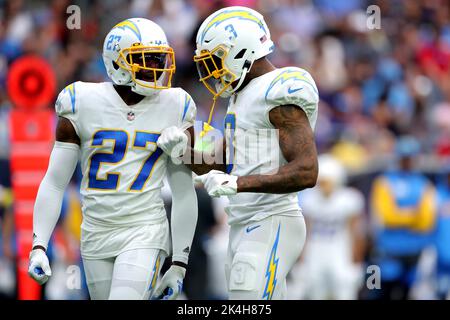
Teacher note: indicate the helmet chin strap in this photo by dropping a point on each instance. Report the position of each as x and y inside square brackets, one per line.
[241, 80]
[207, 125]
[245, 69]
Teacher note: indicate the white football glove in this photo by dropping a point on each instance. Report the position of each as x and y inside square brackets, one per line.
[39, 267]
[173, 281]
[173, 141]
[218, 183]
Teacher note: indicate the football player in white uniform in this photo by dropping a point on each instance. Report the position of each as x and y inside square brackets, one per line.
[333, 255]
[262, 172]
[113, 128]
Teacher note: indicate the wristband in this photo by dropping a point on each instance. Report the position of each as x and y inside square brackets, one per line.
[179, 264]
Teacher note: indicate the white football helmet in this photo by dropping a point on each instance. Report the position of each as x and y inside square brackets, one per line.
[332, 170]
[136, 53]
[228, 42]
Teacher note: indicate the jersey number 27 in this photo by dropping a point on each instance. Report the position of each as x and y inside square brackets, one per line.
[117, 154]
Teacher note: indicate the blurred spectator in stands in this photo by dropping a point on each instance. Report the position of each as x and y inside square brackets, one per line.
[333, 256]
[441, 122]
[403, 204]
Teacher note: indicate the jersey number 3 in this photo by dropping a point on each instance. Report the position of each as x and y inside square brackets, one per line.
[120, 139]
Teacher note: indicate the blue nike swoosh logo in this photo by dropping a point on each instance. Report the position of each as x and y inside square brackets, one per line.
[250, 229]
[290, 90]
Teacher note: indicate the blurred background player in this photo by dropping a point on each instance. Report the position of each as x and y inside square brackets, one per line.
[403, 205]
[332, 261]
[261, 173]
[125, 232]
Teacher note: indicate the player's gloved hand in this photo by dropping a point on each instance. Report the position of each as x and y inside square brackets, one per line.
[218, 183]
[173, 141]
[39, 267]
[172, 281]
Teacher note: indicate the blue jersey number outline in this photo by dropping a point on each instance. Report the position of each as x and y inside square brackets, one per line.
[117, 154]
[230, 124]
[141, 140]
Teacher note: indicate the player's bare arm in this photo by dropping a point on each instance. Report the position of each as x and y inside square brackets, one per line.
[359, 241]
[65, 132]
[201, 167]
[180, 144]
[296, 141]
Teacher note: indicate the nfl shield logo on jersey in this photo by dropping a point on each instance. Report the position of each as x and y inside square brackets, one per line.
[130, 116]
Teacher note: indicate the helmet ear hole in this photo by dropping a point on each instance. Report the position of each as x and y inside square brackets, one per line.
[115, 65]
[240, 54]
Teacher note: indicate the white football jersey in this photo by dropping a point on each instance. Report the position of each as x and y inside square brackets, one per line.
[123, 170]
[252, 141]
[330, 215]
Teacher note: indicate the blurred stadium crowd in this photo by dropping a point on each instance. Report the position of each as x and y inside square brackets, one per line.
[384, 114]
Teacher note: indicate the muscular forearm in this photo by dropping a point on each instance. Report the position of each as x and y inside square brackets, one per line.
[202, 162]
[292, 177]
[296, 142]
[199, 163]
[180, 146]
[47, 207]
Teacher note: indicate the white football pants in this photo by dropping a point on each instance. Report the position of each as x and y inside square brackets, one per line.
[132, 275]
[261, 254]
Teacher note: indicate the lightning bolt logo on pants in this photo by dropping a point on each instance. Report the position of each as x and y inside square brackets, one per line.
[155, 273]
[271, 272]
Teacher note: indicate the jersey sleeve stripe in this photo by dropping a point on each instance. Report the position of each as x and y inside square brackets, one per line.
[71, 89]
[187, 102]
[72, 98]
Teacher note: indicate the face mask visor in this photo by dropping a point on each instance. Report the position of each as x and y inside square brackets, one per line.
[150, 66]
[212, 71]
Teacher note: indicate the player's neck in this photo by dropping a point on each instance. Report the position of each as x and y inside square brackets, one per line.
[260, 67]
[127, 95]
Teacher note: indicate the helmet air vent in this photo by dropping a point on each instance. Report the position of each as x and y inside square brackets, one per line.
[240, 54]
